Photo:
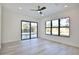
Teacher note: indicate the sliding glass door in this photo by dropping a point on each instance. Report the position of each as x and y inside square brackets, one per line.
[33, 30]
[25, 30]
[28, 30]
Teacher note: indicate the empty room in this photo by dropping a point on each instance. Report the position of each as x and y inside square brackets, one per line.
[39, 28]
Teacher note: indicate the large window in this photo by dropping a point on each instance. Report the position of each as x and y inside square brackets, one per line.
[59, 27]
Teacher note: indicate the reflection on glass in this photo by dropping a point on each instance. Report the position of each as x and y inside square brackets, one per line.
[55, 31]
[48, 23]
[48, 30]
[64, 31]
[25, 30]
[54, 23]
[33, 30]
[64, 22]
[64, 27]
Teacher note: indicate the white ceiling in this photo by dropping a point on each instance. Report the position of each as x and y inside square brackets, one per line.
[51, 8]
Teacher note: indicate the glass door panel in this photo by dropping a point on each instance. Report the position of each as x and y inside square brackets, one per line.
[25, 30]
[33, 30]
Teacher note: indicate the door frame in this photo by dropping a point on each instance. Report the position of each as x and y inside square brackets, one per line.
[30, 29]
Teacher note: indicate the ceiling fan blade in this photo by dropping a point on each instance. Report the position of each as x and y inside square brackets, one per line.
[43, 8]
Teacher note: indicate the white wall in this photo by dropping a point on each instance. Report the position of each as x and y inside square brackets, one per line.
[0, 26]
[11, 25]
[73, 40]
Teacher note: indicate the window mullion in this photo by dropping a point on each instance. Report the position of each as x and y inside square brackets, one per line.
[58, 27]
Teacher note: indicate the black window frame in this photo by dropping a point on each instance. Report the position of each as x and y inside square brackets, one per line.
[55, 27]
[30, 29]
[48, 27]
[65, 27]
[59, 19]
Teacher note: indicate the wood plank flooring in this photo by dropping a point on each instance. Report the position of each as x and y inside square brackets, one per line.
[37, 47]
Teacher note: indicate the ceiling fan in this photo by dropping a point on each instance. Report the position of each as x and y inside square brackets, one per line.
[39, 9]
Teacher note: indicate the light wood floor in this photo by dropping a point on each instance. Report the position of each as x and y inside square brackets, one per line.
[37, 47]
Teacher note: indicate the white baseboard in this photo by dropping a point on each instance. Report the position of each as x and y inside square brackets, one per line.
[9, 41]
[61, 43]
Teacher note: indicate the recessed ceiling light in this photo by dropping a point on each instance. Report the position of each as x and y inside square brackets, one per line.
[66, 6]
[20, 8]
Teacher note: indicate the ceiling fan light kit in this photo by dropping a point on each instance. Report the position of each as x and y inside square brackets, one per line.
[39, 10]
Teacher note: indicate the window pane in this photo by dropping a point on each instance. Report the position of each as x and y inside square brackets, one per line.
[55, 31]
[48, 23]
[54, 23]
[25, 26]
[64, 31]
[33, 30]
[25, 30]
[48, 30]
[64, 22]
